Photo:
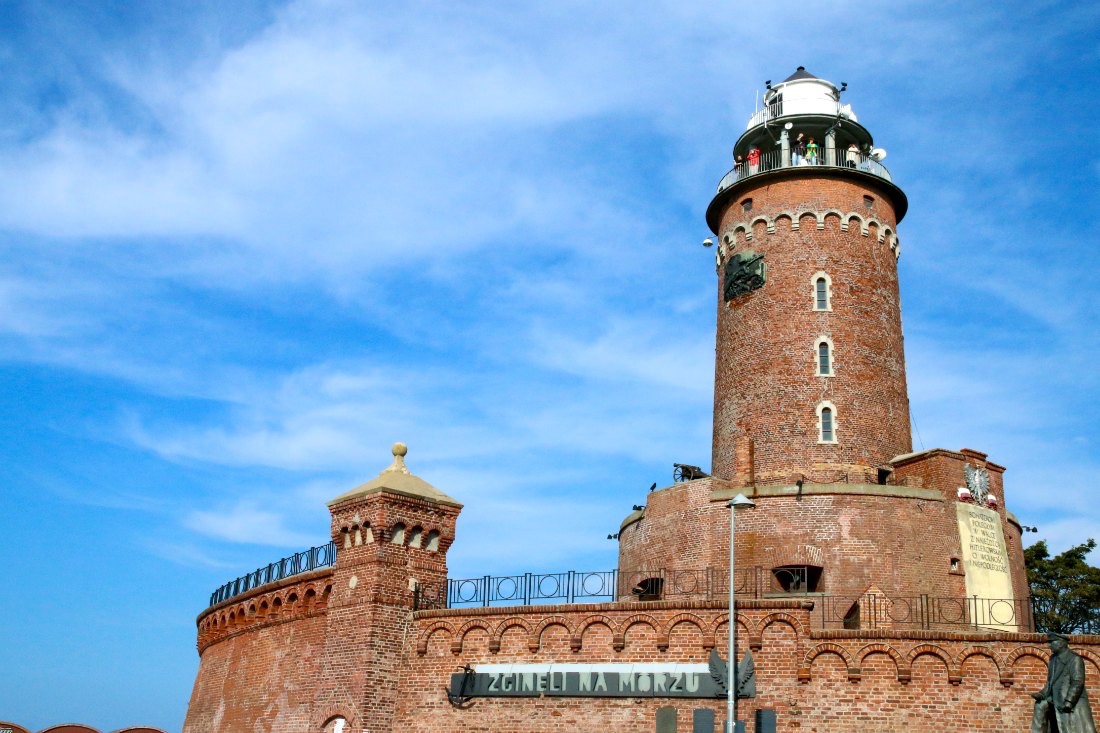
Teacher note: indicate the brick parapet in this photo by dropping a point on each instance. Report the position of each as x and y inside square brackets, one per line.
[294, 676]
[917, 681]
[299, 596]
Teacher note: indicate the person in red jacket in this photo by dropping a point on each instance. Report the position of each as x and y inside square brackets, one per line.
[754, 160]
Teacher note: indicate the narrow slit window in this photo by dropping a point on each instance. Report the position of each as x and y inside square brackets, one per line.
[826, 425]
[824, 359]
[821, 291]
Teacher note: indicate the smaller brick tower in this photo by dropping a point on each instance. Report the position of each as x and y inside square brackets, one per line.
[393, 533]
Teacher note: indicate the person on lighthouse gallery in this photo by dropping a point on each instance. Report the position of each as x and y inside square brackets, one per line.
[798, 150]
[1062, 705]
[811, 152]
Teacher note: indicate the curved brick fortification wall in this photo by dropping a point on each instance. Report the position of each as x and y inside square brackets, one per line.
[818, 682]
[766, 393]
[260, 658]
[681, 528]
[885, 539]
[899, 540]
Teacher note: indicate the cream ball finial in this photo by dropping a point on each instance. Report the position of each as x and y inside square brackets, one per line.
[400, 449]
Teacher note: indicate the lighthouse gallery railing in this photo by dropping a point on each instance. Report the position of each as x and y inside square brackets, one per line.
[825, 157]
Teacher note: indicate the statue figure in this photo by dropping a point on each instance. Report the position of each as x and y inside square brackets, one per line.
[1062, 705]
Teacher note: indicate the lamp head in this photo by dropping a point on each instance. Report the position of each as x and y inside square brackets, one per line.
[740, 501]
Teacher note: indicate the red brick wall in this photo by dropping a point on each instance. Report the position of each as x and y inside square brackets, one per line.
[835, 682]
[897, 545]
[290, 655]
[944, 471]
[680, 529]
[263, 677]
[276, 675]
[371, 603]
[765, 390]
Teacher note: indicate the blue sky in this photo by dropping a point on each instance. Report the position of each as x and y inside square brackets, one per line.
[246, 246]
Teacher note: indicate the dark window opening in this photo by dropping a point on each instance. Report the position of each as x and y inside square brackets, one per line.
[746, 205]
[798, 578]
[883, 476]
[851, 619]
[823, 361]
[868, 201]
[826, 425]
[649, 589]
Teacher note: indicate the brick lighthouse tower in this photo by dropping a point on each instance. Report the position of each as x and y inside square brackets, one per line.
[811, 411]
[810, 370]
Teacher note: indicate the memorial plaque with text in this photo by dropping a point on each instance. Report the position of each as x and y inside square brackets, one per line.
[985, 562]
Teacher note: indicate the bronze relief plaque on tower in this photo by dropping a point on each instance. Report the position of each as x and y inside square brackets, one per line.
[745, 272]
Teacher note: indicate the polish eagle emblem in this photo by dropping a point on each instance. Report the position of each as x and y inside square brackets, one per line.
[746, 675]
[977, 482]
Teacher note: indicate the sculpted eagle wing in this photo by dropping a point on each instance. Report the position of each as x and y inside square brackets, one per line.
[746, 676]
[719, 672]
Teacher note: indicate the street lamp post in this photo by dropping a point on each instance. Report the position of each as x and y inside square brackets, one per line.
[731, 660]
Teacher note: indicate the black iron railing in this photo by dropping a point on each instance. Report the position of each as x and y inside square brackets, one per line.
[575, 586]
[876, 611]
[301, 562]
[869, 611]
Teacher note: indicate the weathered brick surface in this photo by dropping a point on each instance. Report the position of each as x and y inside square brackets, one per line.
[269, 677]
[943, 470]
[264, 677]
[291, 655]
[765, 388]
[889, 680]
[884, 539]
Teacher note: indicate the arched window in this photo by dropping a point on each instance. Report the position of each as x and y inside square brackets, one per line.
[826, 422]
[823, 292]
[797, 578]
[431, 544]
[823, 353]
[414, 536]
[649, 589]
[397, 534]
[335, 725]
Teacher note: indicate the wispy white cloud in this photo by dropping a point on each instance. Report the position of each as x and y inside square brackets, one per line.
[245, 522]
[189, 554]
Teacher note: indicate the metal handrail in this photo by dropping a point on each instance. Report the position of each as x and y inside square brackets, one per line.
[776, 110]
[300, 562]
[872, 610]
[826, 158]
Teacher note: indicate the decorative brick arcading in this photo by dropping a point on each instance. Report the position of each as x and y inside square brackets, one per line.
[293, 598]
[815, 680]
[884, 234]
